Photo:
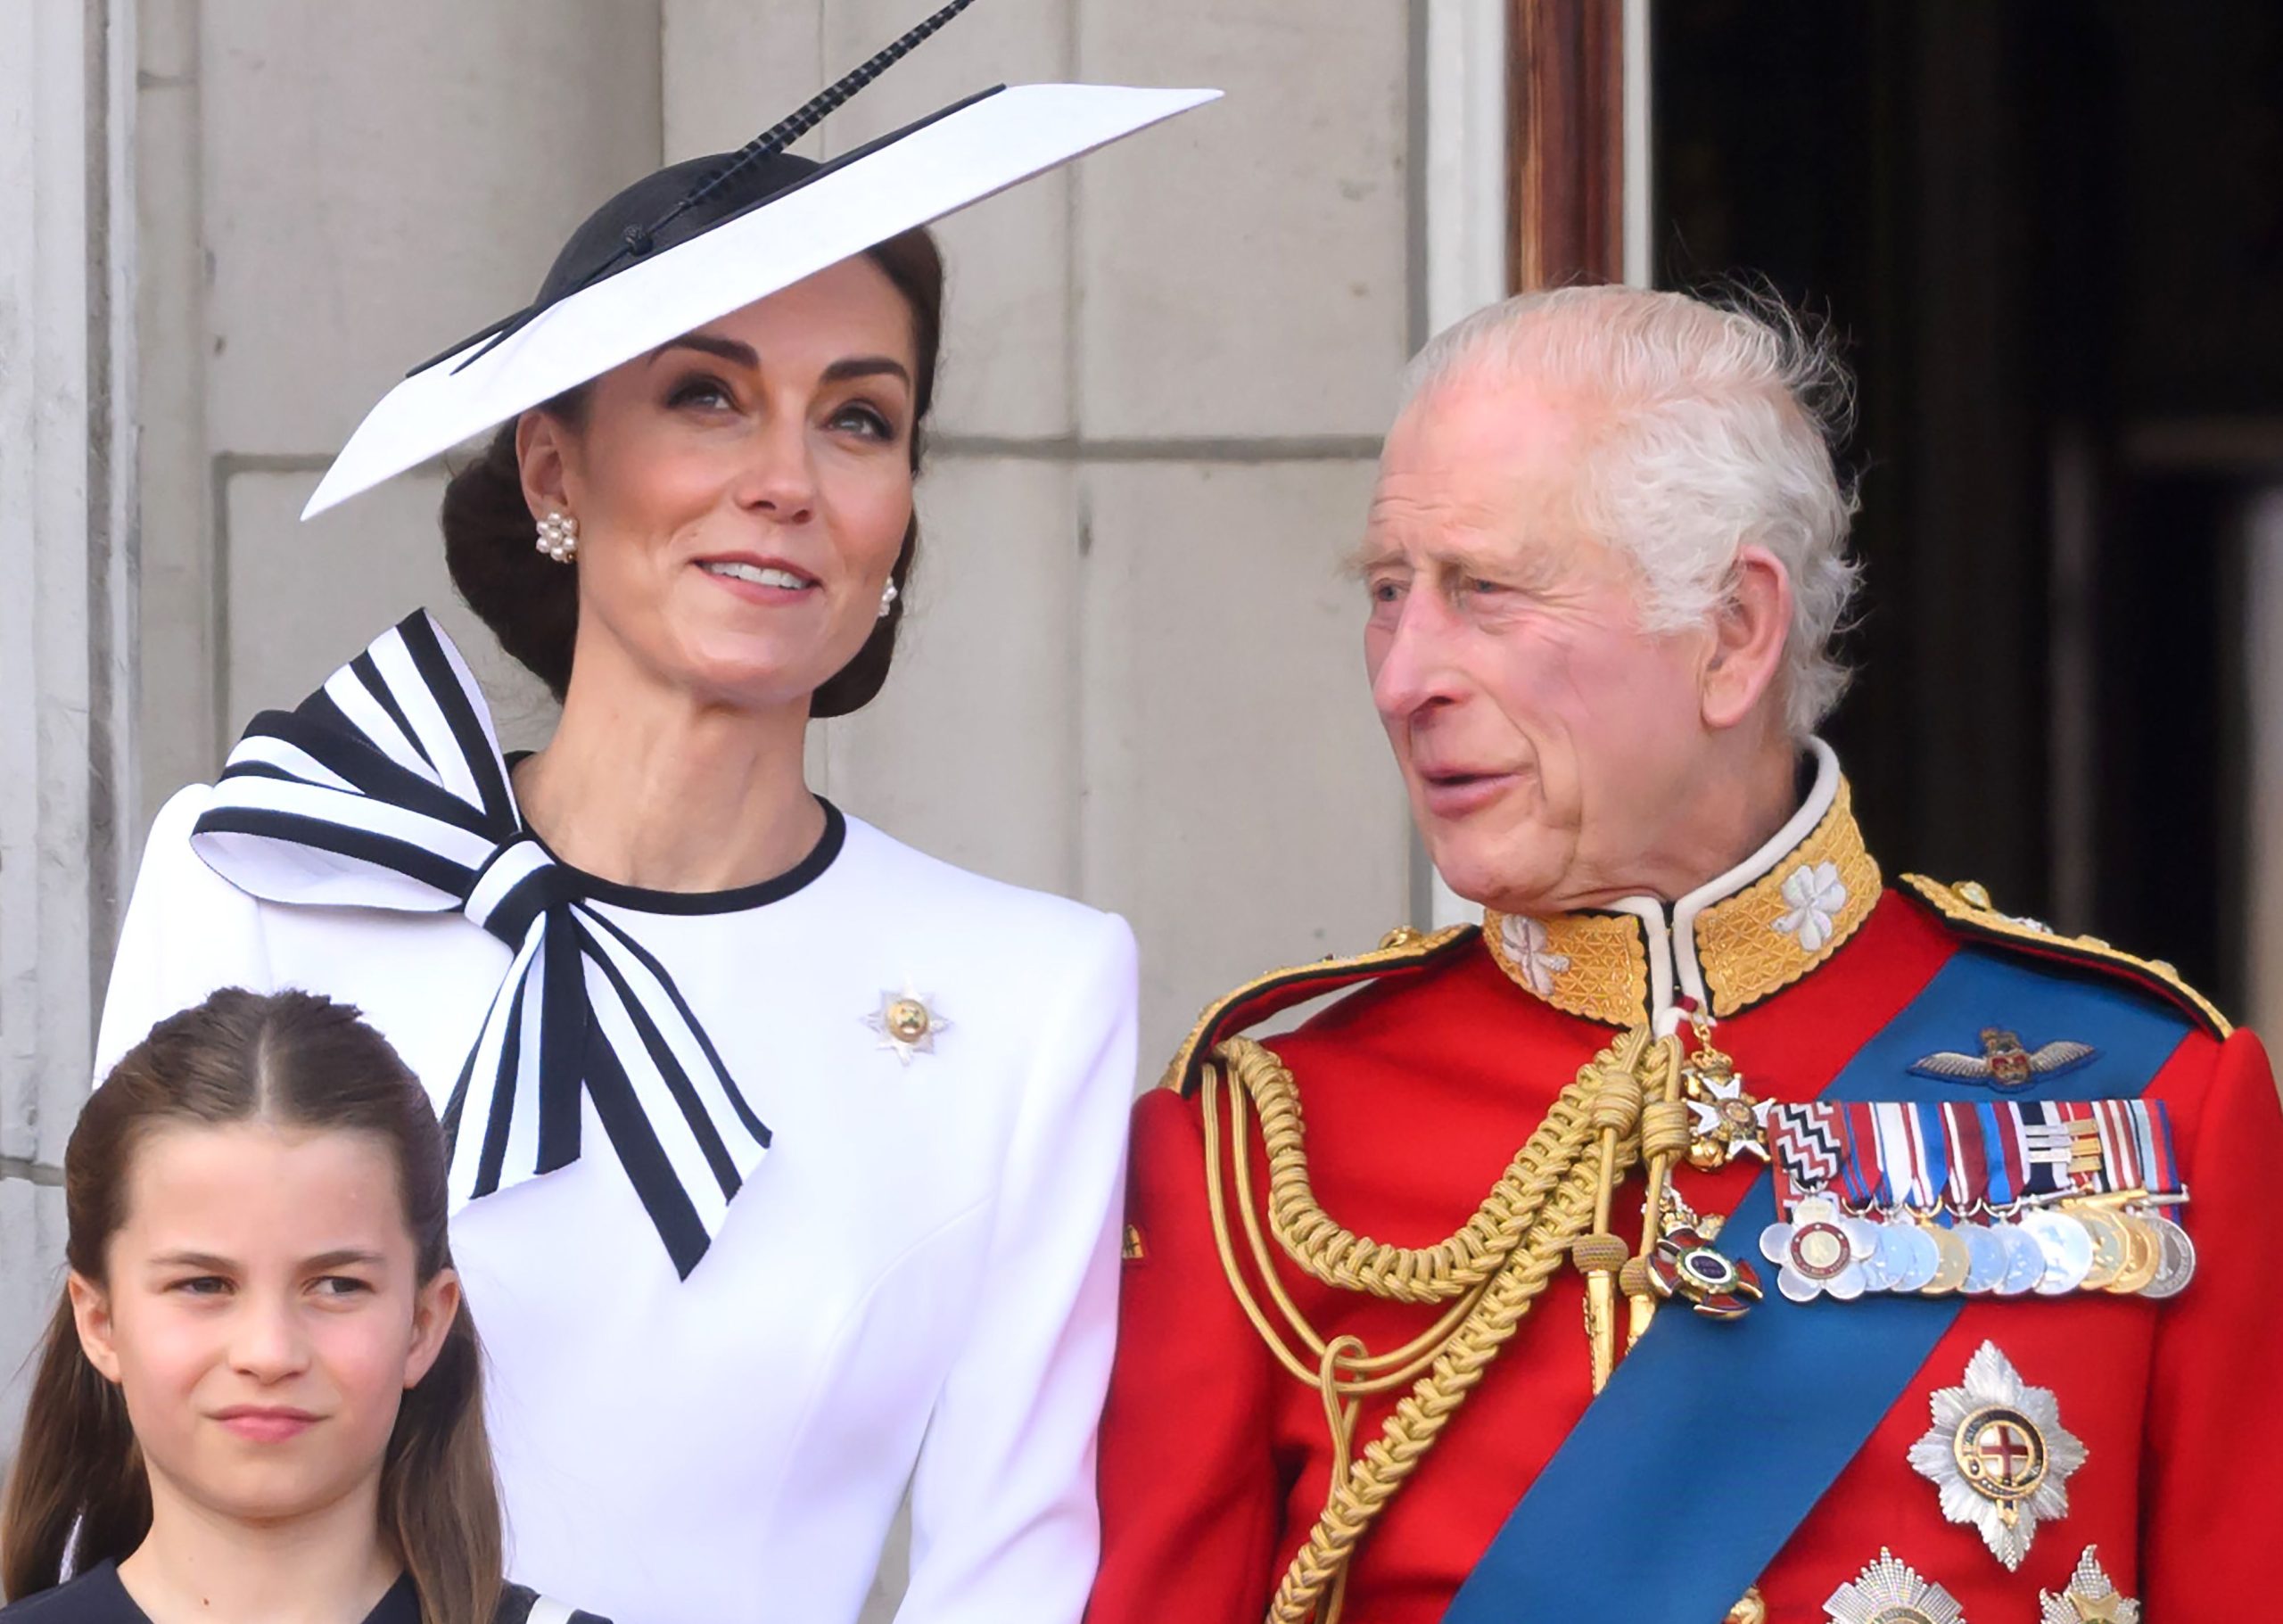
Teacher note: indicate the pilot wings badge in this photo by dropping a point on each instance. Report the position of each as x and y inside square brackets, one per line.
[2004, 1063]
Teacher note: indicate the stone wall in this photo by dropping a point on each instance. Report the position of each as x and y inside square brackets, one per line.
[68, 604]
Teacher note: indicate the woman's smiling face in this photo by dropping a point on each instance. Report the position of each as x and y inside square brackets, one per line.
[743, 491]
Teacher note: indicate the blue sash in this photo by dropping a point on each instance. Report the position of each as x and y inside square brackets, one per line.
[1788, 1393]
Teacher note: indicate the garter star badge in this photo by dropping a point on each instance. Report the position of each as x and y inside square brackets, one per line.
[1888, 1592]
[1999, 1454]
[906, 1024]
[2089, 1597]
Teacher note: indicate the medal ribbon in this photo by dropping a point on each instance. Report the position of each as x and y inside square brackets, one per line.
[2164, 1169]
[2007, 1169]
[2043, 1134]
[1970, 1167]
[1933, 1147]
[1810, 1148]
[1960, 1156]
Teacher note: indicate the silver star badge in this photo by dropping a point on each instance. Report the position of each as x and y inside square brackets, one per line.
[1888, 1592]
[906, 1024]
[2089, 1597]
[1999, 1454]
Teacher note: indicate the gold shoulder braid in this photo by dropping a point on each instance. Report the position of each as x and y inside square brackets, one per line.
[1264, 996]
[1553, 1200]
[1967, 906]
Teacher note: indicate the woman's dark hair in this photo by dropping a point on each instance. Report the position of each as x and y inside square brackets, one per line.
[531, 603]
[303, 1061]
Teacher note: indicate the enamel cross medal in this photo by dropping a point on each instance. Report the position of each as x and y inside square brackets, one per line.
[1724, 1121]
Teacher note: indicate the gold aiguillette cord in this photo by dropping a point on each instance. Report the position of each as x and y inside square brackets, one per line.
[1556, 1193]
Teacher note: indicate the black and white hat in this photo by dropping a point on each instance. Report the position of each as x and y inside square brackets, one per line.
[696, 240]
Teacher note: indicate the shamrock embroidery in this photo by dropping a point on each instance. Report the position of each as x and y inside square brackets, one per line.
[1817, 894]
[1527, 941]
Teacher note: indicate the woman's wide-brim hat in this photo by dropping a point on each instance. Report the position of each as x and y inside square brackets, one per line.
[693, 243]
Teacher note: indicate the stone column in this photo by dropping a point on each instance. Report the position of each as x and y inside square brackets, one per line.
[1462, 131]
[67, 612]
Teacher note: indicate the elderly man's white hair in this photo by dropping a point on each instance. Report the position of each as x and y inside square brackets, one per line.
[1715, 431]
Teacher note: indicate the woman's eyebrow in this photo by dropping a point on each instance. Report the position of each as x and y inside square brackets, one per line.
[865, 366]
[728, 349]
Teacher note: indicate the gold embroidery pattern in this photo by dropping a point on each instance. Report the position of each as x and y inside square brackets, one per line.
[1595, 964]
[1748, 945]
[1757, 942]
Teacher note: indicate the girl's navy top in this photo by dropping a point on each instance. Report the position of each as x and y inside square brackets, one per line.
[98, 1597]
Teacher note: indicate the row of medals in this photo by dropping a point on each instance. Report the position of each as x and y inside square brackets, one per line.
[2115, 1243]
[2118, 1242]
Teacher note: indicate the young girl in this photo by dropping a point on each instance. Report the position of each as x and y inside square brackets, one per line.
[260, 1397]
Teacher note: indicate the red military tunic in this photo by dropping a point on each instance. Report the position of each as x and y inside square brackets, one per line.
[1418, 1088]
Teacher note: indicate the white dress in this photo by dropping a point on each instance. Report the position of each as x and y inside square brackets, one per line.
[916, 1285]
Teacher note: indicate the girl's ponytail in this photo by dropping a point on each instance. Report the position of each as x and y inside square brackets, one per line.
[439, 1497]
[77, 1469]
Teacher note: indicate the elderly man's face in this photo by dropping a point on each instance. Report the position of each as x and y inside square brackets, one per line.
[1549, 744]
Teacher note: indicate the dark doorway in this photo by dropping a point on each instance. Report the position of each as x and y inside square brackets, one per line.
[2051, 232]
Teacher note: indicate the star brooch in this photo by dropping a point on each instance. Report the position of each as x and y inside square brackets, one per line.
[906, 1024]
[2089, 1597]
[1999, 1454]
[1888, 1592]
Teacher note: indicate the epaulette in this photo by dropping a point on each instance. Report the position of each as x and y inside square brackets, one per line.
[1403, 952]
[1965, 906]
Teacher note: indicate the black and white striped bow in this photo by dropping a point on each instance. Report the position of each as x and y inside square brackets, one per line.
[385, 789]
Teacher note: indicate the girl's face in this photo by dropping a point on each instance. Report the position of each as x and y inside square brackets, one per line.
[262, 1315]
[742, 491]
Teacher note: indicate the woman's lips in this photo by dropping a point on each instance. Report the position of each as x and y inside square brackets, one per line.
[774, 592]
[264, 1425]
[754, 592]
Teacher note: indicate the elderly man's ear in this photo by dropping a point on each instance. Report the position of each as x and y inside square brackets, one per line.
[1746, 653]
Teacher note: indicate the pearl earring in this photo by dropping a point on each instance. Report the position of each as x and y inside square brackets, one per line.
[558, 537]
[887, 599]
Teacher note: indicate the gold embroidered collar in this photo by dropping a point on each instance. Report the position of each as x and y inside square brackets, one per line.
[1750, 933]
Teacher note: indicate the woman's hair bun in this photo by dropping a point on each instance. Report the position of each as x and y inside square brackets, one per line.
[530, 601]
